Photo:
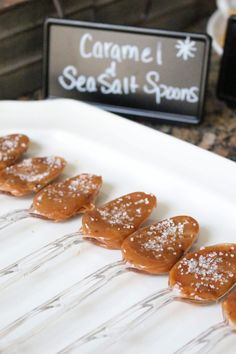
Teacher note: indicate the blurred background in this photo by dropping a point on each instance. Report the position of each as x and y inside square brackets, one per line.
[21, 42]
[21, 29]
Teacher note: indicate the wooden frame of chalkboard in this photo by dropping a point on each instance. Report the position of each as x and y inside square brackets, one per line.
[130, 109]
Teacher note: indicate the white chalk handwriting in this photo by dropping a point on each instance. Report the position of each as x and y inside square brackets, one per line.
[108, 83]
[89, 49]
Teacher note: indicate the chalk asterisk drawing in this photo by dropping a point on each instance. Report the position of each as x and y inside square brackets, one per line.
[186, 48]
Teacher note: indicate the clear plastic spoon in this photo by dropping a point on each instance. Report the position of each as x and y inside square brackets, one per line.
[202, 277]
[30, 175]
[58, 201]
[207, 340]
[171, 237]
[126, 215]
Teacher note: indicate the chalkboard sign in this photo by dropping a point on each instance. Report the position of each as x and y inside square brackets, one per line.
[134, 71]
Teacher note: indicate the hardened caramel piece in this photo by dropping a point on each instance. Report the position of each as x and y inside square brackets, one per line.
[205, 275]
[12, 148]
[30, 175]
[62, 200]
[156, 248]
[229, 308]
[110, 224]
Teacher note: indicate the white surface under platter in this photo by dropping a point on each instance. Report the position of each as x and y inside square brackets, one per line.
[130, 157]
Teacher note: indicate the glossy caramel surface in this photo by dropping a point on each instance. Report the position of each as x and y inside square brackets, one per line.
[205, 275]
[229, 308]
[156, 248]
[62, 200]
[12, 148]
[30, 175]
[110, 224]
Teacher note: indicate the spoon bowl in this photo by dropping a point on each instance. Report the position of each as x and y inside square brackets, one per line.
[156, 248]
[110, 224]
[12, 147]
[30, 175]
[61, 201]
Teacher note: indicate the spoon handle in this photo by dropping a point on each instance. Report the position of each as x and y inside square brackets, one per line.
[12, 217]
[19, 331]
[207, 340]
[113, 329]
[30, 263]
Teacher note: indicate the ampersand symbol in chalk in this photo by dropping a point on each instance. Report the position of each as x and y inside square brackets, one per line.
[111, 70]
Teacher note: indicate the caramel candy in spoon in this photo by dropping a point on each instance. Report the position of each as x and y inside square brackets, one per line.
[30, 175]
[157, 248]
[229, 308]
[205, 275]
[12, 148]
[62, 200]
[110, 224]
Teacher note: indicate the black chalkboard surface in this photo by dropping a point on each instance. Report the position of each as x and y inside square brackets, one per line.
[134, 71]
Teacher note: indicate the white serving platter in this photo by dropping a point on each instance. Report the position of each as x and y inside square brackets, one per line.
[130, 157]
